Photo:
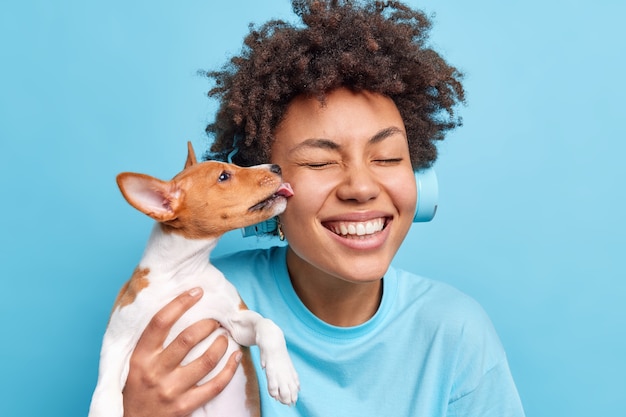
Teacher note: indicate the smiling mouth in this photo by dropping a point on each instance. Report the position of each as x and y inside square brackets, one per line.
[283, 191]
[357, 229]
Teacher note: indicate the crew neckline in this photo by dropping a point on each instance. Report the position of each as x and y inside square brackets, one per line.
[317, 325]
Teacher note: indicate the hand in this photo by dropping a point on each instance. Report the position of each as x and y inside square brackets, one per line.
[157, 384]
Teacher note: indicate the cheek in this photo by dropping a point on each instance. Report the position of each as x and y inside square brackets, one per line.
[303, 208]
[403, 192]
[407, 198]
[310, 190]
[401, 188]
[305, 202]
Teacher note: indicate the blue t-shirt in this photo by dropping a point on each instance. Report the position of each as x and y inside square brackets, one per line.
[429, 350]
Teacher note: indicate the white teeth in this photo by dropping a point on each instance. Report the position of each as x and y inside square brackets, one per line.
[358, 228]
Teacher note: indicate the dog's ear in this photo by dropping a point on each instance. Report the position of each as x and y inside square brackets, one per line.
[158, 199]
[191, 156]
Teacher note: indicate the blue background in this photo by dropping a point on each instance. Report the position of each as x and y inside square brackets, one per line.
[532, 198]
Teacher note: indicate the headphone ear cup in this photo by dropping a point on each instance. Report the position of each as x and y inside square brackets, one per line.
[427, 195]
[267, 227]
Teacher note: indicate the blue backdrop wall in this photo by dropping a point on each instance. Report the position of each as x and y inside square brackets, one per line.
[532, 199]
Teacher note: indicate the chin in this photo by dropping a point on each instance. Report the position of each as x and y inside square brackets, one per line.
[364, 272]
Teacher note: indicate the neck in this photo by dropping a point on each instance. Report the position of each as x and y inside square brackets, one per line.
[170, 253]
[335, 301]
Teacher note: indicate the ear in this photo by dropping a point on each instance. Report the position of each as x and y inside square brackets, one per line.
[158, 199]
[191, 156]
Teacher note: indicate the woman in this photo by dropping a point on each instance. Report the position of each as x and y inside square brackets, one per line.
[349, 105]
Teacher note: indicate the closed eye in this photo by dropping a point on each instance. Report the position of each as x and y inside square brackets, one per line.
[389, 161]
[317, 165]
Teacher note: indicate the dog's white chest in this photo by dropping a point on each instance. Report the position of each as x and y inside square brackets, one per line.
[219, 301]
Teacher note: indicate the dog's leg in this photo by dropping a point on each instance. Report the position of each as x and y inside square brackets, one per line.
[249, 328]
[107, 400]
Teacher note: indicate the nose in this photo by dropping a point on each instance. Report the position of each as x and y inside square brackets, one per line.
[359, 184]
[275, 169]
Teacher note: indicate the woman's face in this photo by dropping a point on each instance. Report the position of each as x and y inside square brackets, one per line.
[354, 189]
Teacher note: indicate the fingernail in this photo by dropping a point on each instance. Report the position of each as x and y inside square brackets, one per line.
[238, 357]
[195, 292]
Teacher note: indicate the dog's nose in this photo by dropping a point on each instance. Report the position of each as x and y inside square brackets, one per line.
[275, 169]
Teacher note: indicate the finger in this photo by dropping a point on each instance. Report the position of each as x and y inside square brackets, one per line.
[207, 362]
[160, 325]
[212, 388]
[178, 349]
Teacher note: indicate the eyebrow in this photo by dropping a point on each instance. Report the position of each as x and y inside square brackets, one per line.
[330, 145]
[384, 134]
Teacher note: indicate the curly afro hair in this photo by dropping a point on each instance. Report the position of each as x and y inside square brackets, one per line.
[377, 46]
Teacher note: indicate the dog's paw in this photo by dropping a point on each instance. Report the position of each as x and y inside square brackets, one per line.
[282, 379]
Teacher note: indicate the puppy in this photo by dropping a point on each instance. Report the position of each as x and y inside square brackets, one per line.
[192, 211]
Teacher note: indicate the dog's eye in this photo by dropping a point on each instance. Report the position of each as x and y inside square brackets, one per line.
[224, 176]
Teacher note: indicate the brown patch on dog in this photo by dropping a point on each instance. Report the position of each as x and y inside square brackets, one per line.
[253, 397]
[132, 288]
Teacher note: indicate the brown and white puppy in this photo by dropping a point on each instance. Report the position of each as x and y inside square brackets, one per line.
[192, 211]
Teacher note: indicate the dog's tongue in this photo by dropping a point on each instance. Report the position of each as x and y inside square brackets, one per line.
[284, 190]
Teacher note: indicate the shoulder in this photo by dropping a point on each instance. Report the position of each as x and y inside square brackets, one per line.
[243, 263]
[448, 312]
[469, 344]
[243, 259]
[436, 299]
[253, 271]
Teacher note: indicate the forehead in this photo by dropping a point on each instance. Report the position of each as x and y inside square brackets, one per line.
[345, 116]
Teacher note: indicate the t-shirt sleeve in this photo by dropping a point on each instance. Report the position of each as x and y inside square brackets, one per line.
[494, 396]
[483, 385]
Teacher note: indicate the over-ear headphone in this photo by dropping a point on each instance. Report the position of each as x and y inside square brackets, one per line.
[427, 195]
[427, 200]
